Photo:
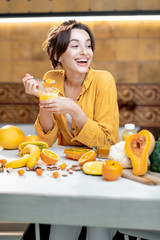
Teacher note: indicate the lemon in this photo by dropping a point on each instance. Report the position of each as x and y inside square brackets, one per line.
[11, 136]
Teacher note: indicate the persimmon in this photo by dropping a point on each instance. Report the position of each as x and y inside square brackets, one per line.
[87, 157]
[39, 171]
[49, 157]
[63, 166]
[20, 172]
[3, 161]
[55, 174]
[111, 170]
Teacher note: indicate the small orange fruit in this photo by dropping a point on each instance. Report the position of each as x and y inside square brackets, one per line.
[39, 171]
[31, 138]
[63, 166]
[111, 170]
[55, 174]
[49, 157]
[3, 161]
[20, 172]
[87, 157]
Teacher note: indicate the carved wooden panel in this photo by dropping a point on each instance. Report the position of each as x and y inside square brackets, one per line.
[138, 103]
[15, 105]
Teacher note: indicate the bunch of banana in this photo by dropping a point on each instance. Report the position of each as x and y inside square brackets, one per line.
[29, 157]
[21, 162]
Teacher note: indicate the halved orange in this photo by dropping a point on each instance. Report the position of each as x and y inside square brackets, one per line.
[49, 157]
[87, 157]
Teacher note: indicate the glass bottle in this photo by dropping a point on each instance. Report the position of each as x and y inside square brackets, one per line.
[129, 130]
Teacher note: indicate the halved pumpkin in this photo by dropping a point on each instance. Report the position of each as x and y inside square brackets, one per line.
[138, 147]
[75, 153]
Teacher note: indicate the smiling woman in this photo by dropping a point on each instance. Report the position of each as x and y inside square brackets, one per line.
[86, 111]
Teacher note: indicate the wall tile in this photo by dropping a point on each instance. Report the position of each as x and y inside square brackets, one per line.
[149, 49]
[4, 31]
[38, 69]
[103, 30]
[149, 29]
[126, 49]
[40, 6]
[21, 50]
[63, 6]
[127, 29]
[4, 6]
[149, 72]
[20, 31]
[127, 72]
[105, 50]
[37, 53]
[19, 69]
[79, 6]
[5, 68]
[105, 65]
[103, 5]
[4, 50]
[149, 5]
[126, 4]
[39, 31]
[17, 6]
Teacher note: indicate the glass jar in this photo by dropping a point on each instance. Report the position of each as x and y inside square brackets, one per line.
[129, 130]
[103, 150]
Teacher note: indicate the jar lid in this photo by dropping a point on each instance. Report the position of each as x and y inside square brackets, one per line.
[129, 126]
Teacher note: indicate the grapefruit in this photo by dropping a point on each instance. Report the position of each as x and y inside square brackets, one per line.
[11, 136]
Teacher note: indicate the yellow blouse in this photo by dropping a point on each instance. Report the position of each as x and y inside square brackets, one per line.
[98, 100]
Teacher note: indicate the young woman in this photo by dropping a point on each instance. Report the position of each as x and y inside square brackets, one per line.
[86, 111]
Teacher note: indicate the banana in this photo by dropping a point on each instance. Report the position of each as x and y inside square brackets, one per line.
[21, 162]
[34, 154]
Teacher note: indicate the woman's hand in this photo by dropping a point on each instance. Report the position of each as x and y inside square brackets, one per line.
[63, 105]
[60, 105]
[32, 86]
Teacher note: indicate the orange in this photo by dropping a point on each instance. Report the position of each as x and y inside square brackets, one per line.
[31, 138]
[49, 157]
[87, 157]
[111, 170]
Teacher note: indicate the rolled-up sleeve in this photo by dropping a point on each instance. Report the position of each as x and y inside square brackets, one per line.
[105, 123]
[49, 137]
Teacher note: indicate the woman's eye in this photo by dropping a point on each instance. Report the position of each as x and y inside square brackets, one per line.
[74, 46]
[89, 46]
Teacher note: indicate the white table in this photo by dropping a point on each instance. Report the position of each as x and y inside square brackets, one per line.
[77, 199]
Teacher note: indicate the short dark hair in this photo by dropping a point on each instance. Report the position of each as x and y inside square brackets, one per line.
[58, 40]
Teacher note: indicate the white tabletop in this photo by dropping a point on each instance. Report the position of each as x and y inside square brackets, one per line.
[77, 199]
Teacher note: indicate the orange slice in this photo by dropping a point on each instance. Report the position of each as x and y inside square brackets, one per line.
[49, 157]
[87, 157]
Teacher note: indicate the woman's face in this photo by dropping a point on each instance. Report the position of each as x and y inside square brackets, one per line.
[79, 54]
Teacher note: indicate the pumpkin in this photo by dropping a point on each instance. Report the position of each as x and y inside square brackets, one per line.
[138, 147]
[75, 153]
